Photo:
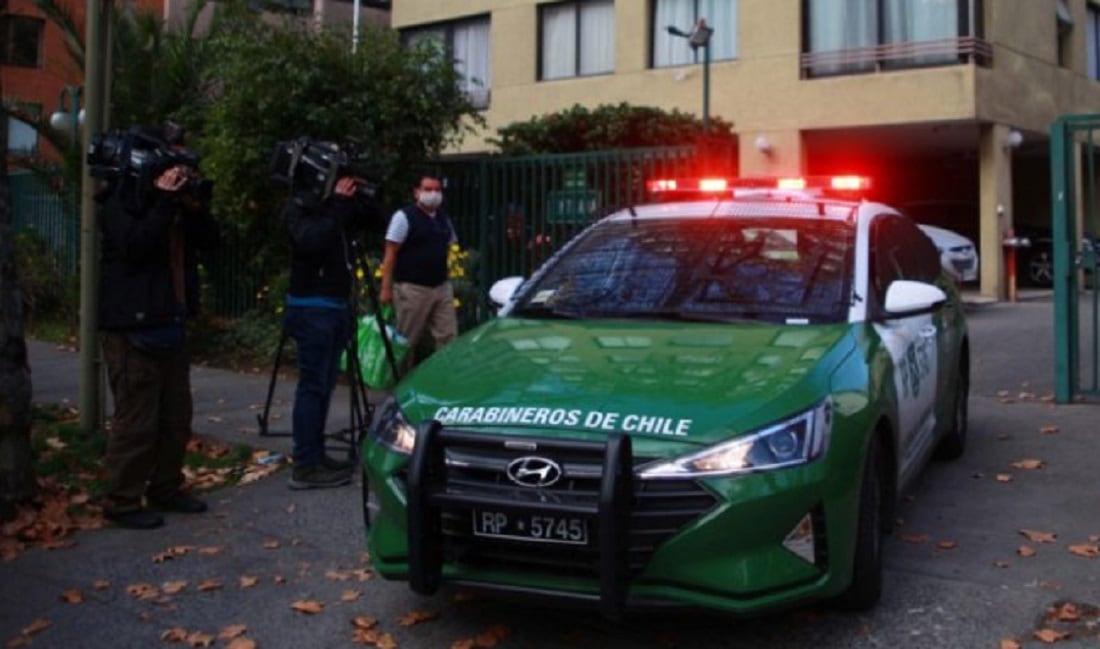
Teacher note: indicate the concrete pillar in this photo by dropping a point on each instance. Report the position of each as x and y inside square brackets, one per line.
[772, 153]
[995, 207]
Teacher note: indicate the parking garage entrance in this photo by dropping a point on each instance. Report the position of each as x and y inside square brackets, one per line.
[1074, 183]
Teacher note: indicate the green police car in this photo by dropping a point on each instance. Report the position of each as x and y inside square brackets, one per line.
[711, 402]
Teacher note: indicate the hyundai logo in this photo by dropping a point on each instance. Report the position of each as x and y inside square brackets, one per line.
[534, 471]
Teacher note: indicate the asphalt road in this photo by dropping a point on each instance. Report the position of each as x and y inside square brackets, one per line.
[954, 576]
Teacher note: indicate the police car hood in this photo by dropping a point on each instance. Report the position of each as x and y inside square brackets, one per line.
[668, 382]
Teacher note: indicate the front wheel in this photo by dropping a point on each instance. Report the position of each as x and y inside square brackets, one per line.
[866, 587]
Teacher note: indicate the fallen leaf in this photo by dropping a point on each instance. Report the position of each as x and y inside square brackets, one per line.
[210, 550]
[37, 626]
[364, 622]
[1050, 636]
[232, 631]
[248, 581]
[337, 576]
[200, 639]
[1036, 536]
[209, 585]
[142, 591]
[1048, 430]
[413, 618]
[175, 634]
[365, 636]
[72, 596]
[271, 544]
[308, 606]
[1067, 612]
[915, 538]
[278, 579]
[350, 595]
[1028, 464]
[241, 643]
[1025, 551]
[1009, 643]
[173, 587]
[1085, 550]
[386, 641]
[1000, 564]
[491, 636]
[101, 584]
[161, 557]
[1004, 477]
[947, 545]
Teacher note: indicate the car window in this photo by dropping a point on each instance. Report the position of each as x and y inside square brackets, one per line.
[770, 269]
[899, 250]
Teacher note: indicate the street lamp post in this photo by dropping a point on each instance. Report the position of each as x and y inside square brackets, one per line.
[700, 37]
[69, 116]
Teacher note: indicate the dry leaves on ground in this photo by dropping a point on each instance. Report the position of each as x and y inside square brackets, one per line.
[1029, 464]
[487, 639]
[412, 618]
[1085, 550]
[308, 606]
[1050, 636]
[1035, 536]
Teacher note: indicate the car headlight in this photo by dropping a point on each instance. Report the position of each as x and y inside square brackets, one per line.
[791, 442]
[394, 431]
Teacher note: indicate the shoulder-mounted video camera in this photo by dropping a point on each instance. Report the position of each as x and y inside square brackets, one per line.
[313, 167]
[143, 155]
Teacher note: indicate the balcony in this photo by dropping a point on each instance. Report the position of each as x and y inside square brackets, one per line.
[897, 56]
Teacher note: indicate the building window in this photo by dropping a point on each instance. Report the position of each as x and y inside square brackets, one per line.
[468, 43]
[21, 41]
[849, 36]
[1092, 41]
[1064, 21]
[22, 138]
[576, 39]
[721, 16]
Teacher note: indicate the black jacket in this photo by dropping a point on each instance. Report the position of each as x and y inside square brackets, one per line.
[321, 236]
[136, 275]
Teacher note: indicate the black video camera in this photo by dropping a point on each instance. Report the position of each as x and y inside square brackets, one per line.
[143, 156]
[314, 167]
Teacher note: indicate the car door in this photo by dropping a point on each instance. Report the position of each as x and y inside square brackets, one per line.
[899, 251]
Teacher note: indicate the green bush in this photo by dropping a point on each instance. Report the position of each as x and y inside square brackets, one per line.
[49, 295]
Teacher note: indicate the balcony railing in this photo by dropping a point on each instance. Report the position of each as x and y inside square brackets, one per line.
[898, 56]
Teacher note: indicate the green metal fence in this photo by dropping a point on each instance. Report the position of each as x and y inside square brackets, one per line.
[1073, 147]
[512, 213]
[39, 208]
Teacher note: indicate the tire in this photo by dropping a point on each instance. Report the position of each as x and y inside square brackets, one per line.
[866, 588]
[953, 444]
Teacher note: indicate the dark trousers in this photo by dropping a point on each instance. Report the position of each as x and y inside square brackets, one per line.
[321, 334]
[151, 423]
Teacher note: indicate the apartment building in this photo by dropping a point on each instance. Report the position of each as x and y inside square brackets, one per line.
[945, 103]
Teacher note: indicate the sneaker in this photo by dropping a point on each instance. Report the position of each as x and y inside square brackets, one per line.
[318, 477]
[139, 519]
[178, 502]
[333, 464]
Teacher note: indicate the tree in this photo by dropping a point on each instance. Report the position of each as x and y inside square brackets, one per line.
[16, 476]
[608, 126]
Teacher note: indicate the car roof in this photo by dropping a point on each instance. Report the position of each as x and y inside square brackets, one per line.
[785, 205]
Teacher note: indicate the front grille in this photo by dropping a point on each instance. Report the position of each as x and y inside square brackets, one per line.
[475, 468]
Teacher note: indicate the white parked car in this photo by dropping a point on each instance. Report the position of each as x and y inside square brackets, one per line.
[958, 254]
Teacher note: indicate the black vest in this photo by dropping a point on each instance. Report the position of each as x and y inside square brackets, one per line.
[422, 258]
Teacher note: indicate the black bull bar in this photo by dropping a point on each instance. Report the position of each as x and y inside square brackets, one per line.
[428, 496]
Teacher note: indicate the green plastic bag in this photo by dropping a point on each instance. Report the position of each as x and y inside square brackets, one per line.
[374, 366]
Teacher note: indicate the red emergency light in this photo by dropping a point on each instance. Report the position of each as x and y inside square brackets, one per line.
[710, 186]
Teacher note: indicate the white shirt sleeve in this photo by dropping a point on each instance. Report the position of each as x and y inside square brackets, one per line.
[398, 229]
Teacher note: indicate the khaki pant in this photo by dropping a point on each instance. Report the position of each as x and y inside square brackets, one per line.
[151, 423]
[419, 308]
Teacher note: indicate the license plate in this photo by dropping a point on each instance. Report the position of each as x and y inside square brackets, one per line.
[544, 528]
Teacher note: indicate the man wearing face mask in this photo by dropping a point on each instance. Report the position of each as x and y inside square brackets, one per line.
[414, 267]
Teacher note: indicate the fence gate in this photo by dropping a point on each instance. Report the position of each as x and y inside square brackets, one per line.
[1073, 157]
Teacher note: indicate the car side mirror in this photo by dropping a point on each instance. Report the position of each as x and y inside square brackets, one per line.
[906, 297]
[502, 290]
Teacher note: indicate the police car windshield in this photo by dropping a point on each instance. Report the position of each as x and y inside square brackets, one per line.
[721, 269]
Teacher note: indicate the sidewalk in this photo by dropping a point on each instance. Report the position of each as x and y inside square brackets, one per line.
[309, 546]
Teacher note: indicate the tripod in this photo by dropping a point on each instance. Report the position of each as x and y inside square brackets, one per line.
[360, 410]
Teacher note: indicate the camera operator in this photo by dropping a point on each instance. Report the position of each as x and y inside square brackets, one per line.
[149, 287]
[319, 317]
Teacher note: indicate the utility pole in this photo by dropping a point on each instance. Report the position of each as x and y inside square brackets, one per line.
[97, 44]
